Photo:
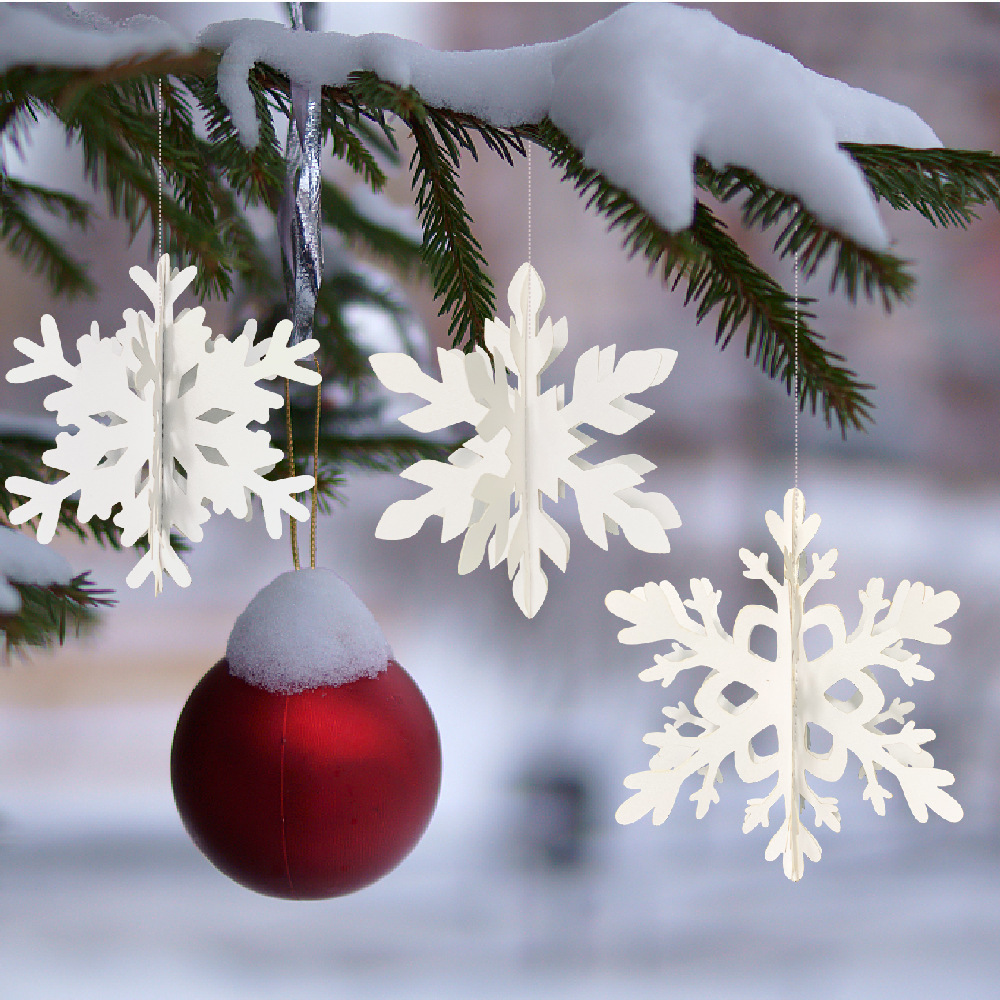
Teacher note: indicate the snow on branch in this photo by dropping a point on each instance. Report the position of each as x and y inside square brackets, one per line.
[693, 87]
[23, 560]
[56, 35]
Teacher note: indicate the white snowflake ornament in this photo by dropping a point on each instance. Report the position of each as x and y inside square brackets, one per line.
[162, 411]
[791, 693]
[527, 445]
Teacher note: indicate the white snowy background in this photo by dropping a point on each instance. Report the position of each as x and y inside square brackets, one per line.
[101, 893]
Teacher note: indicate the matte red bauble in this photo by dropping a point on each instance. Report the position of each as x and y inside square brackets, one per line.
[311, 794]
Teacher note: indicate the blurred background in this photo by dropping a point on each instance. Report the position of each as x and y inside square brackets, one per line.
[524, 885]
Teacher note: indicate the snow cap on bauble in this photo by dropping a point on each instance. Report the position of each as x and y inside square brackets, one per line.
[304, 630]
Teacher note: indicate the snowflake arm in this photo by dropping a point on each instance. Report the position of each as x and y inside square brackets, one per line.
[541, 441]
[223, 458]
[451, 494]
[47, 358]
[915, 613]
[450, 401]
[101, 460]
[459, 488]
[658, 614]
[601, 388]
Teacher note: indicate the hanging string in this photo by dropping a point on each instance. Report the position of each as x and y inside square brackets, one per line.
[795, 398]
[530, 316]
[159, 169]
[300, 231]
[292, 523]
[155, 464]
[795, 418]
[529, 215]
[313, 514]
[794, 801]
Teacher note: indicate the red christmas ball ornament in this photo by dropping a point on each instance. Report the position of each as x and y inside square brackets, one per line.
[306, 764]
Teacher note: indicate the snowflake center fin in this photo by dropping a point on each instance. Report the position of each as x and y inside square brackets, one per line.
[794, 863]
[163, 319]
[526, 296]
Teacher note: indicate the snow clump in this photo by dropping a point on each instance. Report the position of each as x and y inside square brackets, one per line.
[304, 630]
[23, 560]
[641, 94]
[693, 87]
[56, 35]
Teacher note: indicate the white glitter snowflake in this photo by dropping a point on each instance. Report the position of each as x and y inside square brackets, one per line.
[791, 693]
[527, 445]
[162, 411]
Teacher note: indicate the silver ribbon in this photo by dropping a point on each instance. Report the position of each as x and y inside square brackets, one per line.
[299, 219]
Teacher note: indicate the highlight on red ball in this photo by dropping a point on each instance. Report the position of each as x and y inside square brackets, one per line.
[306, 795]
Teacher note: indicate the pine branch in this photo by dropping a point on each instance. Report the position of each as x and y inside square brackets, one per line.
[943, 185]
[111, 110]
[256, 175]
[24, 237]
[718, 274]
[331, 482]
[348, 146]
[47, 611]
[245, 256]
[119, 141]
[388, 244]
[452, 254]
[57, 203]
[27, 240]
[376, 133]
[341, 449]
[77, 86]
[389, 453]
[805, 235]
[721, 273]
[21, 455]
[16, 119]
[116, 124]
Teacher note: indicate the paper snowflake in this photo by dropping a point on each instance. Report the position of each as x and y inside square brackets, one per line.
[527, 445]
[791, 693]
[162, 411]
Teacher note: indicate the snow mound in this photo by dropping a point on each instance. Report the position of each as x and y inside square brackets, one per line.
[23, 560]
[694, 87]
[306, 629]
[56, 35]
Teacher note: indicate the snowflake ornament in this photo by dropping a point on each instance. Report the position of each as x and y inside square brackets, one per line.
[791, 693]
[162, 411]
[527, 445]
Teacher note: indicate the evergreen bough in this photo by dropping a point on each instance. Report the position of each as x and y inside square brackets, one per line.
[211, 180]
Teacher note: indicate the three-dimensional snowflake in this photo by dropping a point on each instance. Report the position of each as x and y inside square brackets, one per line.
[791, 693]
[527, 445]
[162, 411]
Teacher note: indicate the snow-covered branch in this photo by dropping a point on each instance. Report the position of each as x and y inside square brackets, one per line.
[23, 560]
[694, 87]
[56, 35]
[700, 109]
